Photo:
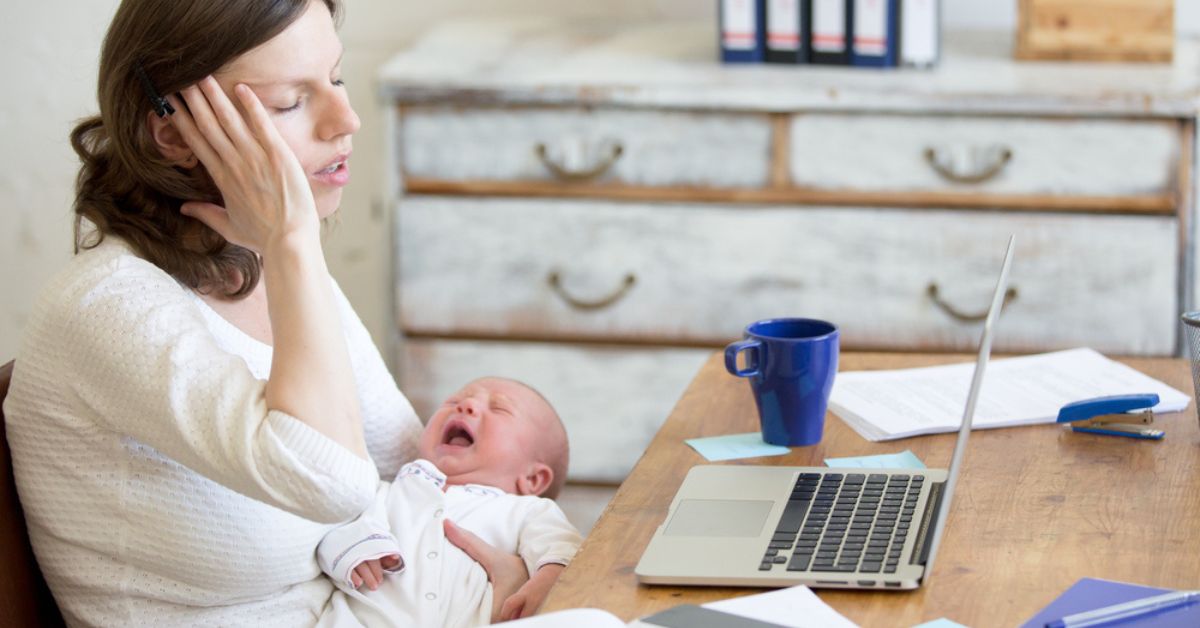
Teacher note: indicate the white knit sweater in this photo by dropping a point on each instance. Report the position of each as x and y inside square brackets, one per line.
[158, 488]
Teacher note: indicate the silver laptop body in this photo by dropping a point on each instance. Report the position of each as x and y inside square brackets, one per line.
[735, 525]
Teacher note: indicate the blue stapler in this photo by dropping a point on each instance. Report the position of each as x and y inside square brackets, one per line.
[1117, 415]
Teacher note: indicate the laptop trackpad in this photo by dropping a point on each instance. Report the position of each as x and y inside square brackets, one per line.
[719, 517]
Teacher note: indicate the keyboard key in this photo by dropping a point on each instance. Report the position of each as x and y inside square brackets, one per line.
[889, 569]
[780, 545]
[784, 536]
[870, 567]
[798, 563]
[772, 552]
[765, 567]
[856, 478]
[779, 560]
[793, 514]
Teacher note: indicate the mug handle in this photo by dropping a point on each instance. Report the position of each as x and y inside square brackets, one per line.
[731, 353]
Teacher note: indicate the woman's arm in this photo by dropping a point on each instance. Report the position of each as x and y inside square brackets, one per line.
[269, 208]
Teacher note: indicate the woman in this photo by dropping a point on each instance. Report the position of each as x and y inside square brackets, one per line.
[195, 401]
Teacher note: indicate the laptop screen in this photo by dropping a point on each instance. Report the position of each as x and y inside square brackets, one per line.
[960, 446]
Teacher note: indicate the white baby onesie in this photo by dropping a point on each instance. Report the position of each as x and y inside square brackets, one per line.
[439, 584]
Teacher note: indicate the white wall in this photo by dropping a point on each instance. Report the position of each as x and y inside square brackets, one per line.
[50, 50]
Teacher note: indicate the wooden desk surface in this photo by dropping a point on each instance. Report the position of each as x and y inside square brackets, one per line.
[1036, 509]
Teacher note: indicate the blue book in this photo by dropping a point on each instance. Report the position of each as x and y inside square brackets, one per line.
[743, 23]
[876, 33]
[1091, 593]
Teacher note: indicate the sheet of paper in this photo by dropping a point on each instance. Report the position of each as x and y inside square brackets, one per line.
[883, 405]
[731, 446]
[903, 460]
[796, 606]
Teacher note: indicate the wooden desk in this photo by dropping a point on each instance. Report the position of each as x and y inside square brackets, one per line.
[1036, 509]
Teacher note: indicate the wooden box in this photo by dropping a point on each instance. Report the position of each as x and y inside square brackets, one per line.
[1096, 30]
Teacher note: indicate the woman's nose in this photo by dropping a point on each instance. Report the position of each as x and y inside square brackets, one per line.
[339, 118]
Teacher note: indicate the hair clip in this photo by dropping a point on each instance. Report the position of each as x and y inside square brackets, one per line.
[160, 104]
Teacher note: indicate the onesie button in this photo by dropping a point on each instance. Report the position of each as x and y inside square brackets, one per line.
[431, 555]
[438, 513]
[431, 596]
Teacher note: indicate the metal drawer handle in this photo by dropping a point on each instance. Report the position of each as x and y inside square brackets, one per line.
[586, 174]
[1010, 295]
[555, 281]
[999, 156]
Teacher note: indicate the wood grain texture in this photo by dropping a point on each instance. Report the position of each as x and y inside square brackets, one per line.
[705, 271]
[1161, 205]
[1048, 157]
[1097, 30]
[612, 399]
[1036, 509]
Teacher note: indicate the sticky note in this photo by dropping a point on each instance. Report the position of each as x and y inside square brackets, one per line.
[733, 446]
[940, 623]
[903, 460]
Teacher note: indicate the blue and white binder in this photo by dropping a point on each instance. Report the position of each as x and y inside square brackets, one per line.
[920, 33]
[832, 24]
[742, 30]
[875, 33]
[788, 31]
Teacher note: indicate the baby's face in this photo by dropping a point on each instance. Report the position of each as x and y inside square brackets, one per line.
[486, 433]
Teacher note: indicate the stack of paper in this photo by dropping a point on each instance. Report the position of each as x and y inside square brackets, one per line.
[885, 405]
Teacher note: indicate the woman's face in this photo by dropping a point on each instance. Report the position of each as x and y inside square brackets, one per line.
[297, 76]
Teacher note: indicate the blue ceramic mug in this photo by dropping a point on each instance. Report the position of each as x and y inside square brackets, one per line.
[790, 363]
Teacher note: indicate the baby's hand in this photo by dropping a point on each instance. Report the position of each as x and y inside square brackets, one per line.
[371, 571]
[528, 599]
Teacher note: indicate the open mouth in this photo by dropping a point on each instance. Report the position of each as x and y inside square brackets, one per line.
[458, 434]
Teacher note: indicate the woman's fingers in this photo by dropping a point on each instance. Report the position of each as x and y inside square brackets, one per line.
[257, 118]
[513, 608]
[182, 120]
[228, 116]
[214, 216]
[475, 547]
[208, 124]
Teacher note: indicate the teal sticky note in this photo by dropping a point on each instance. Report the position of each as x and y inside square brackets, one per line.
[903, 460]
[733, 446]
[940, 623]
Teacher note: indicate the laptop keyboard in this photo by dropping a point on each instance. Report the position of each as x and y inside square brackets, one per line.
[845, 523]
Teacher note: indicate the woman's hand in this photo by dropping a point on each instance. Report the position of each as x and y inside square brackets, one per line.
[266, 192]
[506, 572]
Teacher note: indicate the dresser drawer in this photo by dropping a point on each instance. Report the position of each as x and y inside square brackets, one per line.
[696, 274]
[612, 400]
[1056, 158]
[584, 146]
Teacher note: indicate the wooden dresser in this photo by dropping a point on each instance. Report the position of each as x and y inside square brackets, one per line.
[593, 208]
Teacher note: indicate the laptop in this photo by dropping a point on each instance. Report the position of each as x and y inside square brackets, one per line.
[852, 528]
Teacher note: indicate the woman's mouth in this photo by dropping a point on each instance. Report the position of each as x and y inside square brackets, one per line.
[336, 174]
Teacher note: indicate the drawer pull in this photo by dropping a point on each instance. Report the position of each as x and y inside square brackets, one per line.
[993, 158]
[586, 174]
[555, 281]
[1010, 295]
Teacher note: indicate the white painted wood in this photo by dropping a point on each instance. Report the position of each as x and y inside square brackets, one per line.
[1062, 157]
[656, 147]
[480, 266]
[611, 399]
[674, 64]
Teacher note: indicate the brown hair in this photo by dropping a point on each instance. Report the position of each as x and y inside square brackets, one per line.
[126, 187]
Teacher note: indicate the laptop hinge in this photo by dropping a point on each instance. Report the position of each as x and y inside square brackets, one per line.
[921, 553]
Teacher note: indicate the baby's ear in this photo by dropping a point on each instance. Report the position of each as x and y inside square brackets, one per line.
[536, 480]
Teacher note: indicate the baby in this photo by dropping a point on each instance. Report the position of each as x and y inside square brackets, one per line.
[490, 457]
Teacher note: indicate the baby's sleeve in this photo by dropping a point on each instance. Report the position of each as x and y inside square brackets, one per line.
[366, 538]
[546, 535]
